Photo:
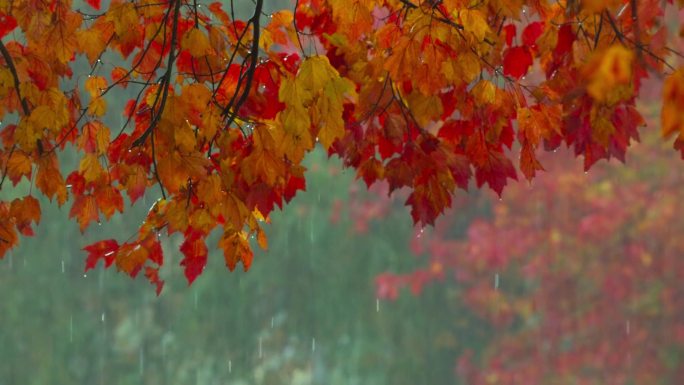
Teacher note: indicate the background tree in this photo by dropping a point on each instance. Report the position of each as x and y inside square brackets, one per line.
[577, 274]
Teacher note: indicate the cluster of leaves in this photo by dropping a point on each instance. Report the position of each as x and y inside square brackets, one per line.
[422, 94]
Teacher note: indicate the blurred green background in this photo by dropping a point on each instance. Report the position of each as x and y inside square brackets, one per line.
[306, 312]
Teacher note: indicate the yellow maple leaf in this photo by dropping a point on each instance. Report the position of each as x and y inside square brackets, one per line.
[27, 134]
[425, 108]
[196, 43]
[292, 91]
[484, 92]
[18, 165]
[263, 162]
[95, 85]
[49, 179]
[90, 168]
[314, 73]
[177, 216]
[610, 75]
[97, 106]
[475, 22]
[175, 168]
[294, 136]
[236, 249]
[330, 107]
[184, 137]
[124, 17]
[465, 68]
[90, 42]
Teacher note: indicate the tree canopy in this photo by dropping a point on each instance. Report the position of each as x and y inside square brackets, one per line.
[220, 109]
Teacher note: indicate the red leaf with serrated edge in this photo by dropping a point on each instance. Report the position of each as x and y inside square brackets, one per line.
[195, 250]
[528, 162]
[517, 61]
[294, 184]
[263, 197]
[105, 250]
[495, 172]
[7, 24]
[152, 275]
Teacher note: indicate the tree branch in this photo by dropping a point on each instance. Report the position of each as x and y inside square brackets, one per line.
[254, 56]
[166, 80]
[10, 65]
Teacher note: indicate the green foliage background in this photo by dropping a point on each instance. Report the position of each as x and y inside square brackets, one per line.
[315, 282]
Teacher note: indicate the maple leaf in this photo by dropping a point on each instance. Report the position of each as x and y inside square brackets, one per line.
[24, 211]
[236, 249]
[18, 165]
[8, 234]
[84, 210]
[102, 250]
[49, 179]
[194, 248]
[611, 75]
[196, 42]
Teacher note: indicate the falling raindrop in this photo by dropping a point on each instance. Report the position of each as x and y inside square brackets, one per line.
[62, 266]
[102, 318]
[141, 365]
[311, 232]
[627, 327]
[272, 322]
[496, 281]
[163, 346]
[313, 344]
[230, 366]
[261, 350]
[377, 305]
[85, 275]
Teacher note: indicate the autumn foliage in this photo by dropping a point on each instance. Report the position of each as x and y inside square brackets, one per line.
[428, 95]
[578, 276]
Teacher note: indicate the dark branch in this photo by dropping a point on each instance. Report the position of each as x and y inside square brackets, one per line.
[10, 65]
[254, 59]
